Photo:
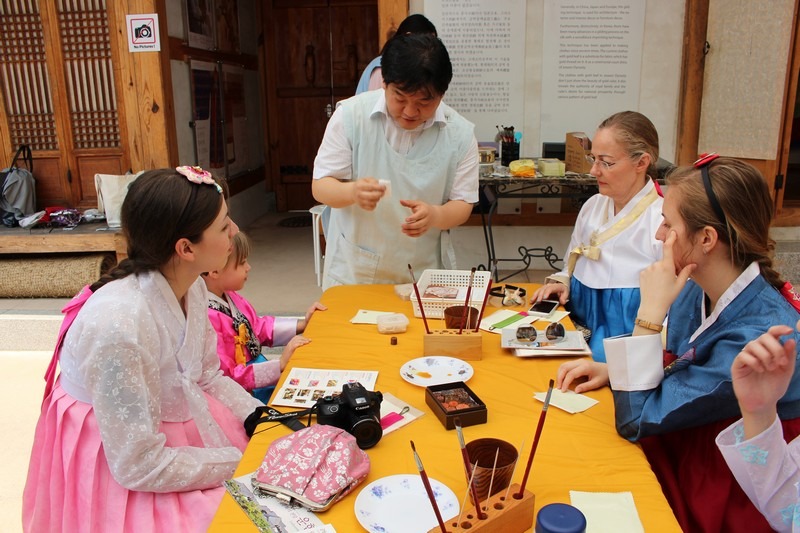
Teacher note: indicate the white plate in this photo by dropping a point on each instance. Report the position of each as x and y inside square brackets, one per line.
[435, 370]
[399, 504]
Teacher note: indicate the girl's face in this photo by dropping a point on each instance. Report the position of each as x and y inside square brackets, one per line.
[618, 176]
[234, 275]
[215, 244]
[684, 250]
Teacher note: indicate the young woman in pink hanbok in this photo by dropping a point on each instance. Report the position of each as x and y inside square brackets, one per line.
[141, 427]
[241, 332]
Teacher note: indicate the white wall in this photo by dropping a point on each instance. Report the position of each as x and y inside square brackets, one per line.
[660, 72]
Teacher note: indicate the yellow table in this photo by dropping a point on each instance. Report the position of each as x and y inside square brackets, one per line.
[576, 452]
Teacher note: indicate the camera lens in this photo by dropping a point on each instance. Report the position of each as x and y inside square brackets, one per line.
[367, 431]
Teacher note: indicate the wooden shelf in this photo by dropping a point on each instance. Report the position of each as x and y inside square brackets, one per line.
[528, 217]
[84, 238]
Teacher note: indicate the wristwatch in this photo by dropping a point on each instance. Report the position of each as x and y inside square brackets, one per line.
[648, 325]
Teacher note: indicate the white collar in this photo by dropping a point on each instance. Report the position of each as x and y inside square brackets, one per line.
[380, 107]
[745, 278]
[222, 301]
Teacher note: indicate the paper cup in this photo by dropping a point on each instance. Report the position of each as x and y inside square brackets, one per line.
[482, 453]
[454, 317]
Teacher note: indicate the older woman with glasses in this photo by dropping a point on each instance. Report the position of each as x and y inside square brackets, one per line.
[675, 401]
[614, 235]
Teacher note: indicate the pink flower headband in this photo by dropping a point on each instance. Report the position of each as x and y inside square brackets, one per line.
[199, 176]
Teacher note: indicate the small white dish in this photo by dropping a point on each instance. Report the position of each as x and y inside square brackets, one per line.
[435, 370]
[399, 504]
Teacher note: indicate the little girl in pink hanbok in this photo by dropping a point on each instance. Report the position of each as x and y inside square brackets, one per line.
[241, 332]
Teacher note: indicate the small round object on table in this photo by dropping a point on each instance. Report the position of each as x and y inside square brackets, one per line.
[393, 341]
[560, 518]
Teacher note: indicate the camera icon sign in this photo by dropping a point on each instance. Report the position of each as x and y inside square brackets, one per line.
[142, 31]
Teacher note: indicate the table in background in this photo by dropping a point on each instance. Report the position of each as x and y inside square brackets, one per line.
[580, 452]
[578, 187]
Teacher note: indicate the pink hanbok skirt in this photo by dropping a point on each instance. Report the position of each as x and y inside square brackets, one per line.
[70, 487]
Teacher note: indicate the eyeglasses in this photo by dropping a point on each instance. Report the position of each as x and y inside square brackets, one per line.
[591, 159]
[555, 332]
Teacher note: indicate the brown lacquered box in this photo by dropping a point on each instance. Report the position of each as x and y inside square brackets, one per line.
[455, 400]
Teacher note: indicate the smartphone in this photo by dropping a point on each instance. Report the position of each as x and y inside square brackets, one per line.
[544, 308]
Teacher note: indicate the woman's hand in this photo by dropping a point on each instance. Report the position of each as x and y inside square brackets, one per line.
[659, 284]
[548, 291]
[761, 375]
[302, 323]
[596, 375]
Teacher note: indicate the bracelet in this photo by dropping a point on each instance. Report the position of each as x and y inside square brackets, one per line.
[648, 325]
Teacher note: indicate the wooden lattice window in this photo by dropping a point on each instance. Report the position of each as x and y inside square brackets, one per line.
[86, 49]
[24, 76]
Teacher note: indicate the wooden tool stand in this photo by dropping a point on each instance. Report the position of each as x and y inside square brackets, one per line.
[501, 515]
[467, 346]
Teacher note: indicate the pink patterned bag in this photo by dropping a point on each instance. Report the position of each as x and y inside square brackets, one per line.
[314, 467]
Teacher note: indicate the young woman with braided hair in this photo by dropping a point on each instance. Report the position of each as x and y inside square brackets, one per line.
[717, 290]
[141, 427]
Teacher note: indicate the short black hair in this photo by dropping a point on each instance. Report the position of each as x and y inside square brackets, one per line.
[416, 24]
[416, 62]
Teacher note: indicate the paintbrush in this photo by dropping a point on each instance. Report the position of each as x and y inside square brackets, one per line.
[467, 307]
[538, 434]
[428, 489]
[483, 305]
[421, 307]
[468, 467]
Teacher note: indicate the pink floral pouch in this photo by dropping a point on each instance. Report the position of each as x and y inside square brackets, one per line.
[314, 467]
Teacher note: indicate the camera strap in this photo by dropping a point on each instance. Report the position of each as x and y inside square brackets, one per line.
[273, 415]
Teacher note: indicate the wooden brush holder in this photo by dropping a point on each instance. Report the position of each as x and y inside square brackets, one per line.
[467, 346]
[501, 515]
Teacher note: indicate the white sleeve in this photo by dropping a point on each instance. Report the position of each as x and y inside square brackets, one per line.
[123, 377]
[634, 363]
[335, 154]
[465, 182]
[767, 470]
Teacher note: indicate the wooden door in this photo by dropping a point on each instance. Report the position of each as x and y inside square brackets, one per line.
[315, 51]
[740, 74]
[60, 96]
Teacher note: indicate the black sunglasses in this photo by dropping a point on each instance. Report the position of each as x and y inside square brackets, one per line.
[555, 332]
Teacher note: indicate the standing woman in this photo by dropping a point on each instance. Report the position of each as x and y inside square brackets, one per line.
[141, 427]
[675, 401]
[614, 235]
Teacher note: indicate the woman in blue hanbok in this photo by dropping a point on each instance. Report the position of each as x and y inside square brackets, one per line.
[716, 290]
[614, 235]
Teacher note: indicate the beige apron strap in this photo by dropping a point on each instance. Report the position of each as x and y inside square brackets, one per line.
[592, 251]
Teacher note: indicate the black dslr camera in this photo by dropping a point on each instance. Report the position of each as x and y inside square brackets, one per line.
[356, 410]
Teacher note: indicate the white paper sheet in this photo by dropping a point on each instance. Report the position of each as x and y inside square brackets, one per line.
[569, 401]
[607, 511]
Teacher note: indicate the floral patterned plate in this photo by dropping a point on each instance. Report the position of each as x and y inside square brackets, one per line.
[399, 504]
[435, 370]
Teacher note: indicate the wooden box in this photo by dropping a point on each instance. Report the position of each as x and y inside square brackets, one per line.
[474, 413]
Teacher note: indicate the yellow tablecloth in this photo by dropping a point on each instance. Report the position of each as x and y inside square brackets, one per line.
[576, 452]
